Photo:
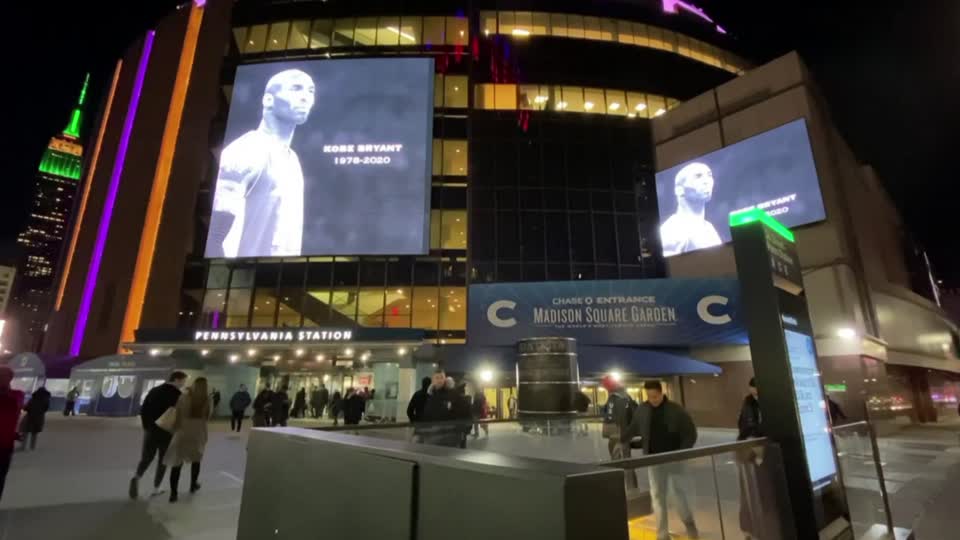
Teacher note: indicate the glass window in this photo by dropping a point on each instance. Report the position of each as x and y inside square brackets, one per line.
[605, 238]
[278, 36]
[455, 158]
[531, 235]
[628, 236]
[532, 97]
[608, 29]
[558, 272]
[594, 101]
[437, 157]
[637, 103]
[591, 28]
[541, 24]
[343, 32]
[345, 271]
[218, 277]
[320, 34]
[508, 22]
[213, 304]
[448, 229]
[657, 105]
[410, 30]
[571, 99]
[640, 35]
[264, 308]
[524, 23]
[366, 32]
[558, 246]
[437, 91]
[483, 96]
[683, 46]
[299, 35]
[455, 91]
[488, 22]
[388, 32]
[372, 272]
[656, 37]
[343, 301]
[397, 307]
[558, 25]
[256, 39]
[238, 308]
[370, 307]
[575, 27]
[581, 235]
[625, 32]
[457, 31]
[453, 308]
[509, 272]
[433, 30]
[426, 302]
[616, 102]
[240, 37]
[506, 97]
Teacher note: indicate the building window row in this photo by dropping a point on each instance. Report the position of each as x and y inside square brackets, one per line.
[522, 24]
[532, 97]
[386, 31]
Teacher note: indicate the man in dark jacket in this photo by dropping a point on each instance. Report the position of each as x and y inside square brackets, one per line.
[444, 410]
[353, 407]
[238, 405]
[323, 399]
[36, 410]
[418, 401]
[262, 406]
[665, 427]
[72, 395]
[280, 407]
[155, 439]
[748, 423]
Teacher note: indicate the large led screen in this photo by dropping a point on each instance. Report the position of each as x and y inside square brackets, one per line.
[325, 157]
[774, 171]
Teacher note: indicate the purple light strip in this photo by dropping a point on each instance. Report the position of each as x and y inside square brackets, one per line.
[90, 283]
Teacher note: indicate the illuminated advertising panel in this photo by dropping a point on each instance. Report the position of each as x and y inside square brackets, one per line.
[773, 171]
[325, 157]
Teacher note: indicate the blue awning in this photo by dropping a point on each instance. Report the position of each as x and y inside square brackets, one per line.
[592, 360]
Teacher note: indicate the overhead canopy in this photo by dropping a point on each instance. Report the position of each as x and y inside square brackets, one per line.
[592, 360]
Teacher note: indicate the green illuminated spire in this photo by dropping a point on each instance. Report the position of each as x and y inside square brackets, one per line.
[73, 128]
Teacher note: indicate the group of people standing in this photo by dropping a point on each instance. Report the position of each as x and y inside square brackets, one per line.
[174, 421]
[443, 413]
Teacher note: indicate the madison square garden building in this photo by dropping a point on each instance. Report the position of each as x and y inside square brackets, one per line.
[406, 151]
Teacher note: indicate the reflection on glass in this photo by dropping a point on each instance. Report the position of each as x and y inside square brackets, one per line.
[366, 32]
[264, 308]
[454, 157]
[320, 34]
[505, 97]
[277, 39]
[299, 35]
[410, 29]
[433, 30]
[425, 305]
[594, 101]
[238, 308]
[457, 31]
[388, 32]
[240, 36]
[256, 39]
[455, 91]
[448, 229]
[453, 308]
[370, 307]
[343, 32]
[397, 307]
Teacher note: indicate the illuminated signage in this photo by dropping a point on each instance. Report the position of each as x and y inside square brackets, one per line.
[674, 7]
[272, 336]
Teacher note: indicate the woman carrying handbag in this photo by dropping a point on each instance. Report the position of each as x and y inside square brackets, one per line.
[189, 435]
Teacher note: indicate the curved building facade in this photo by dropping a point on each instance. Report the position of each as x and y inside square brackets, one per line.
[539, 167]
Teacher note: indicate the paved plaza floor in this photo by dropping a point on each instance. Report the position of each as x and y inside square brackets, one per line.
[73, 486]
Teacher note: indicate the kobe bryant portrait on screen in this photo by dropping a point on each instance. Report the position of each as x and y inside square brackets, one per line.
[258, 198]
[688, 229]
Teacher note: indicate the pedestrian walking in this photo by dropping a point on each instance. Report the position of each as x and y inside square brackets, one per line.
[336, 407]
[418, 401]
[10, 403]
[32, 423]
[262, 406]
[353, 407]
[189, 436]
[156, 440]
[323, 399]
[480, 411]
[280, 407]
[70, 406]
[238, 406]
[300, 403]
[215, 399]
[664, 426]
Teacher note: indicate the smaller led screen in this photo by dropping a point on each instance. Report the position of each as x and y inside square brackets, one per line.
[773, 171]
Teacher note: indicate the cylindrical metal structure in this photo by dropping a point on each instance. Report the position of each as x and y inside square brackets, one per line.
[548, 377]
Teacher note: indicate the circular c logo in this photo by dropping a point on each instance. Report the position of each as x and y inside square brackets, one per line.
[703, 310]
[495, 319]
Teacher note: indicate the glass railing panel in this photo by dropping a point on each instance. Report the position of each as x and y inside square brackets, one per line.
[860, 468]
[750, 489]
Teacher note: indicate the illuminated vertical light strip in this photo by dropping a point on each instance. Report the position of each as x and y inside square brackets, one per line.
[161, 180]
[90, 283]
[86, 186]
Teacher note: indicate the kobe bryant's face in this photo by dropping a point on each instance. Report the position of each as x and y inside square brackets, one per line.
[291, 96]
[695, 183]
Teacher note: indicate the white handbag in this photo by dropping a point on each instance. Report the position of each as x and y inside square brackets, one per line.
[167, 420]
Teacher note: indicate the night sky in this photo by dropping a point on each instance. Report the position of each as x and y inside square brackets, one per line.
[890, 71]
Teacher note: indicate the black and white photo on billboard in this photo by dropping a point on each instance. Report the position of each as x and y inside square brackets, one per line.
[774, 171]
[325, 157]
